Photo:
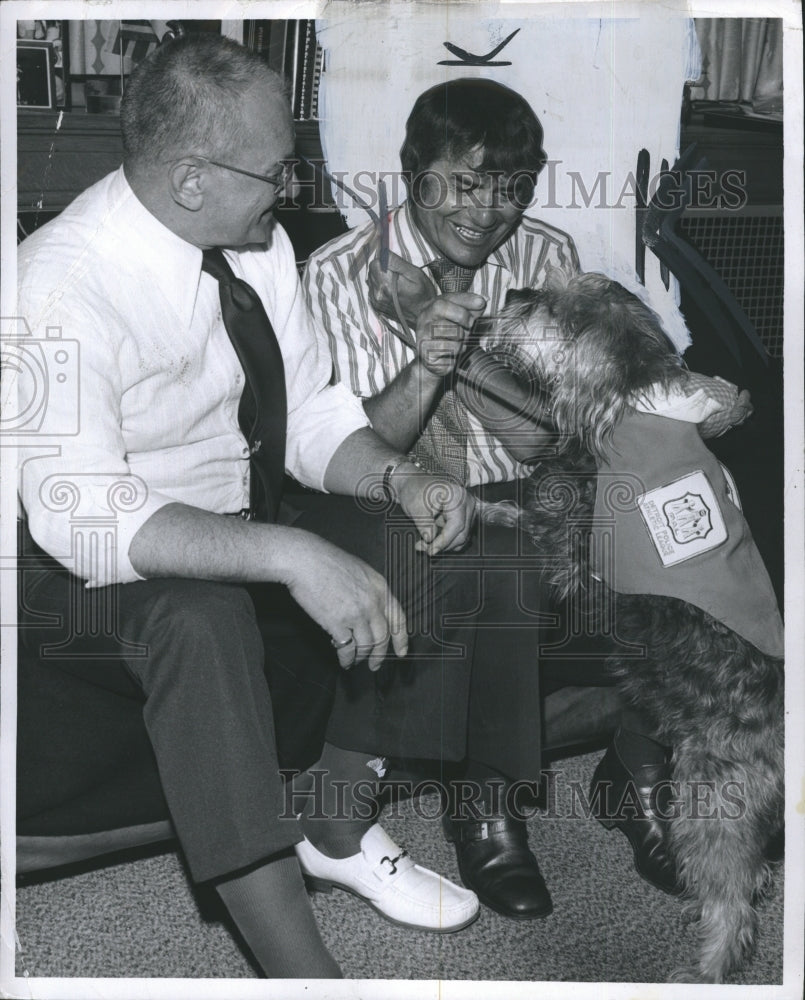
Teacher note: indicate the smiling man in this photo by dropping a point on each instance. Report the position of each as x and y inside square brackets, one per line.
[458, 245]
[471, 157]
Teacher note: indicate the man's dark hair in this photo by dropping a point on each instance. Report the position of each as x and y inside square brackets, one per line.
[185, 98]
[454, 117]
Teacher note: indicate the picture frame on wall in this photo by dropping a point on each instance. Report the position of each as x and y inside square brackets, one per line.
[58, 34]
[36, 79]
[290, 48]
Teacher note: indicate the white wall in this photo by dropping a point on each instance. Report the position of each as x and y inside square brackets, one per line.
[602, 88]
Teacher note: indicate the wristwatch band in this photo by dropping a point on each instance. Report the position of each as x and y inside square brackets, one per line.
[387, 474]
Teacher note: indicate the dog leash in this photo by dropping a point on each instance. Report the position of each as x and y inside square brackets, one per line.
[381, 222]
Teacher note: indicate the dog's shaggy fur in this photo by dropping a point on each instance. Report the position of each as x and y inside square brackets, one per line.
[713, 697]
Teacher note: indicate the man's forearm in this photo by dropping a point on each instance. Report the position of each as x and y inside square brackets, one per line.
[441, 509]
[358, 464]
[341, 593]
[401, 410]
[184, 541]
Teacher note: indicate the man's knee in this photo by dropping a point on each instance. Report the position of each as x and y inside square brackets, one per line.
[192, 623]
[199, 604]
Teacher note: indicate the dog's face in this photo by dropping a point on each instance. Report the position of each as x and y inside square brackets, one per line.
[529, 333]
[592, 345]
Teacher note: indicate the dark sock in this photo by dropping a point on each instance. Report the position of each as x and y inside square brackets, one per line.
[272, 911]
[635, 742]
[343, 801]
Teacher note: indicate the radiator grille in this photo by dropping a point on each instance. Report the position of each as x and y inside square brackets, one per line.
[746, 249]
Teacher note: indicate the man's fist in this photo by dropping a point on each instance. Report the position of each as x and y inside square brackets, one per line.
[442, 330]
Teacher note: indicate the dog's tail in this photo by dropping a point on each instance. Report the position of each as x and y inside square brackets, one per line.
[728, 809]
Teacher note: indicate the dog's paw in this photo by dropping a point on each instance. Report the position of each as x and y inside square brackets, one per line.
[504, 512]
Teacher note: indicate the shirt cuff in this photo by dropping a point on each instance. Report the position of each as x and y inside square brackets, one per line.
[87, 523]
[675, 405]
[318, 429]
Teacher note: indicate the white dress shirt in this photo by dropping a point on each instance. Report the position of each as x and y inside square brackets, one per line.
[145, 409]
[367, 353]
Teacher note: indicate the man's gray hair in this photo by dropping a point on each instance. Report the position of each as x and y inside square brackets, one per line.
[187, 98]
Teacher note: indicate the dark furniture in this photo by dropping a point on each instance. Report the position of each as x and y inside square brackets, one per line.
[729, 260]
[741, 235]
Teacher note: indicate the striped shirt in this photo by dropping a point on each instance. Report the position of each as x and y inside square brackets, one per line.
[367, 353]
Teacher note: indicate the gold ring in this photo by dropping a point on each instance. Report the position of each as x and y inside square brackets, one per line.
[342, 642]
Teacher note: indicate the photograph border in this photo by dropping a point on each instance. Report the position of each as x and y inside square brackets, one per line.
[794, 927]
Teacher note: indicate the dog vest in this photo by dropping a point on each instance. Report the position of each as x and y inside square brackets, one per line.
[668, 522]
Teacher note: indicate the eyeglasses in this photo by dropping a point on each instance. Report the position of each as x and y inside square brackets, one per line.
[278, 180]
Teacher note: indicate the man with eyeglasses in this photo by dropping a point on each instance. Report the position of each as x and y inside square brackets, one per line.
[199, 382]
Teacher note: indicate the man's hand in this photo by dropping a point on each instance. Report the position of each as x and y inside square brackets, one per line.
[339, 591]
[414, 290]
[442, 330]
[347, 598]
[442, 510]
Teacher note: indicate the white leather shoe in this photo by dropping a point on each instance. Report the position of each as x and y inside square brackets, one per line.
[385, 877]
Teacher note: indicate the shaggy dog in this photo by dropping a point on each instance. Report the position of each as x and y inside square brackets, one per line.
[639, 512]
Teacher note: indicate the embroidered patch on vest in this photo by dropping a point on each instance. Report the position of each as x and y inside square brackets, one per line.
[683, 519]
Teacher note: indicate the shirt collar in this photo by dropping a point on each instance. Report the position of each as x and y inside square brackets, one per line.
[419, 251]
[410, 240]
[506, 254]
[173, 263]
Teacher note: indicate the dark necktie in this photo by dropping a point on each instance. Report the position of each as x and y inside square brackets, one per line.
[443, 447]
[262, 412]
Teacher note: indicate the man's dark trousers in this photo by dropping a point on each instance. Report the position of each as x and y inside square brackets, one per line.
[212, 657]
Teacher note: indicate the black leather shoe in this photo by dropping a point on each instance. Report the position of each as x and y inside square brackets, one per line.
[631, 802]
[495, 862]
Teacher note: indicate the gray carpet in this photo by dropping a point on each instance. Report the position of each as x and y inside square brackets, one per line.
[142, 918]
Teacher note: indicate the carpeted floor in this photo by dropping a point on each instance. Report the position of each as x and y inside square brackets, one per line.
[142, 918]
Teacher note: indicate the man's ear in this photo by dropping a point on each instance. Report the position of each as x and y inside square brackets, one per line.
[187, 182]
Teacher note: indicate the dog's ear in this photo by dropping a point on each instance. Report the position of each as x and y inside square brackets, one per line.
[519, 296]
[522, 301]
